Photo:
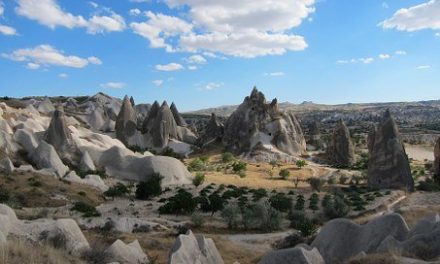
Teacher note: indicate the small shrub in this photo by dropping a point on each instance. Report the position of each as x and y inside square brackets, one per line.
[227, 157]
[199, 179]
[289, 241]
[232, 215]
[239, 166]
[300, 202]
[86, 209]
[34, 182]
[4, 195]
[281, 202]
[197, 165]
[181, 203]
[242, 174]
[118, 190]
[197, 219]
[150, 188]
[301, 163]
[336, 208]
[343, 179]
[284, 174]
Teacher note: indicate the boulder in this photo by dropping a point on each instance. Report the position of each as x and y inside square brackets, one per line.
[126, 122]
[26, 139]
[190, 249]
[437, 161]
[213, 132]
[177, 117]
[297, 255]
[341, 239]
[388, 166]
[127, 253]
[46, 106]
[7, 144]
[340, 151]
[58, 135]
[91, 180]
[6, 165]
[256, 121]
[86, 164]
[45, 157]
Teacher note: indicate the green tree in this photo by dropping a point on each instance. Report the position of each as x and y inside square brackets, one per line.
[284, 174]
[150, 188]
[301, 163]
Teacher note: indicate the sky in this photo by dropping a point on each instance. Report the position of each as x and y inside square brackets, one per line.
[207, 53]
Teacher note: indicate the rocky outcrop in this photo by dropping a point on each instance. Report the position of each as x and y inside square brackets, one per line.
[127, 253]
[26, 140]
[297, 255]
[126, 122]
[6, 165]
[388, 165]
[58, 134]
[340, 151]
[315, 139]
[179, 119]
[213, 132]
[149, 120]
[437, 161]
[45, 157]
[86, 164]
[46, 106]
[256, 121]
[341, 239]
[189, 249]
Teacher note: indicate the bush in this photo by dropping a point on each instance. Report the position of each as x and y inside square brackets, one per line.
[261, 216]
[213, 203]
[227, 157]
[299, 221]
[259, 193]
[336, 208]
[199, 179]
[181, 203]
[4, 195]
[232, 215]
[197, 219]
[242, 174]
[238, 167]
[197, 165]
[284, 174]
[118, 190]
[301, 163]
[150, 188]
[289, 241]
[300, 201]
[281, 202]
[87, 209]
[343, 179]
[429, 185]
[316, 184]
[169, 152]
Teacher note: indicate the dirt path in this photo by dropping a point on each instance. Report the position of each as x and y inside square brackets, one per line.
[257, 242]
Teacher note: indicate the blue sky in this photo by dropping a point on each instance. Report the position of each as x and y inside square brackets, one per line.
[210, 53]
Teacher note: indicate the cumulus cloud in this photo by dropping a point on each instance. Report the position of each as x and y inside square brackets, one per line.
[63, 75]
[233, 28]
[49, 13]
[32, 66]
[48, 55]
[384, 56]
[6, 30]
[418, 17]
[274, 74]
[192, 67]
[158, 82]
[169, 67]
[213, 85]
[135, 12]
[400, 52]
[359, 60]
[113, 85]
[2, 9]
[196, 59]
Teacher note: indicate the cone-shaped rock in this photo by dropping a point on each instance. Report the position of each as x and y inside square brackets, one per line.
[388, 166]
[214, 131]
[340, 151]
[132, 101]
[58, 134]
[256, 121]
[126, 121]
[437, 161]
[315, 136]
[165, 127]
[151, 116]
[179, 119]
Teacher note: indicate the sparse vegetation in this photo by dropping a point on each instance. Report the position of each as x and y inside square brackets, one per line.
[87, 210]
[199, 179]
[150, 188]
[300, 163]
[227, 157]
[119, 190]
[316, 184]
[284, 174]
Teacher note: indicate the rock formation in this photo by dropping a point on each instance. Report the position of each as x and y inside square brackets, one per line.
[315, 136]
[6, 165]
[437, 161]
[256, 122]
[149, 120]
[164, 127]
[133, 104]
[58, 134]
[298, 255]
[86, 164]
[46, 157]
[340, 151]
[179, 119]
[213, 132]
[126, 122]
[189, 249]
[342, 239]
[127, 253]
[388, 166]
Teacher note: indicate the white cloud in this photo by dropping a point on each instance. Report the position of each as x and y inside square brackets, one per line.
[48, 55]
[140, 1]
[192, 68]
[93, 4]
[437, 34]
[400, 52]
[422, 16]
[423, 67]
[158, 82]
[359, 60]
[274, 74]
[213, 85]
[6, 30]
[2, 9]
[113, 85]
[160, 27]
[49, 13]
[135, 12]
[385, 5]
[234, 28]
[169, 67]
[196, 59]
[32, 66]
[384, 56]
[63, 75]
